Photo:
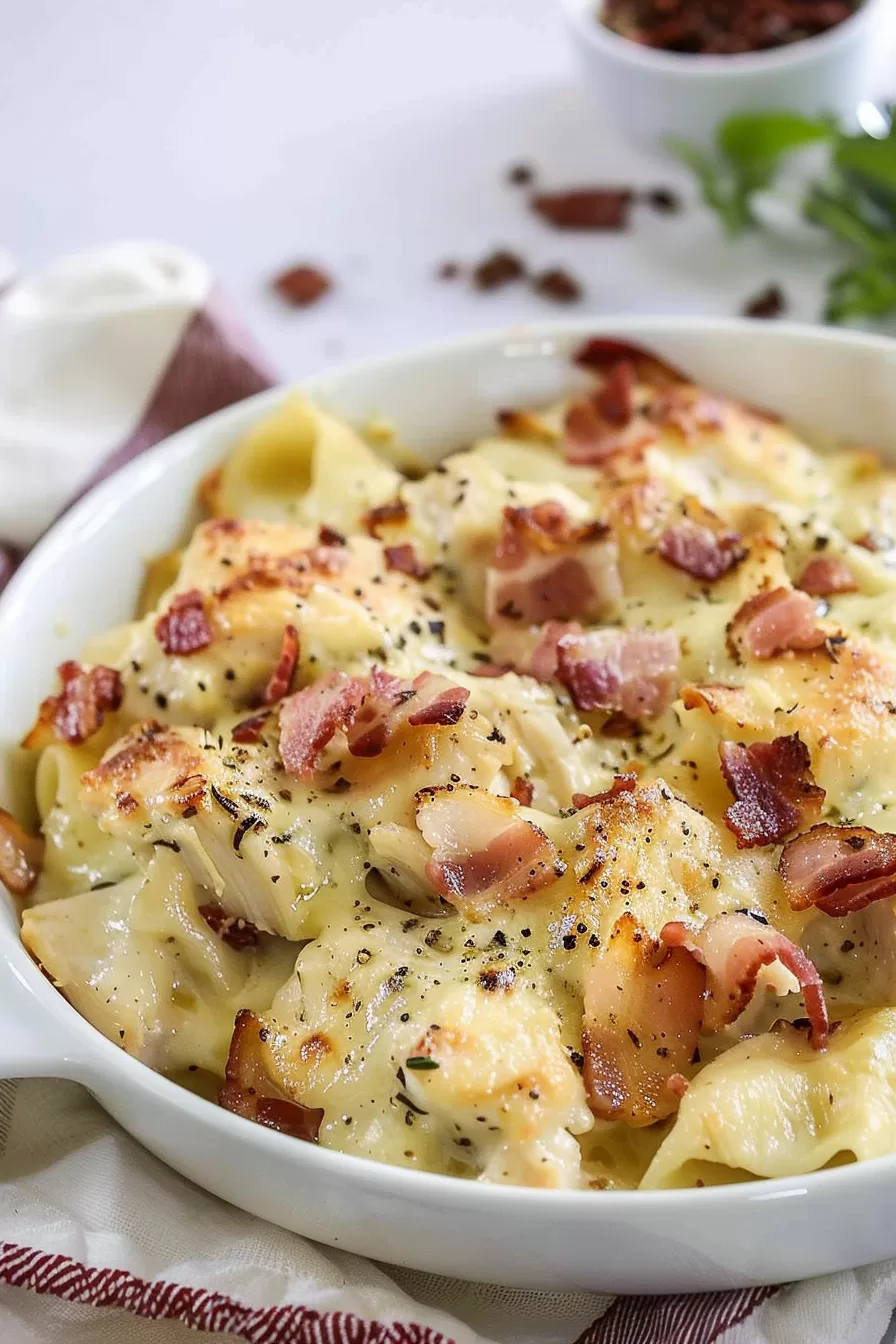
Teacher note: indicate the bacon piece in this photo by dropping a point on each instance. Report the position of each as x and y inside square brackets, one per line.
[592, 438]
[248, 731]
[533, 653]
[282, 675]
[621, 784]
[825, 576]
[635, 671]
[369, 710]
[311, 718]
[251, 1090]
[616, 399]
[689, 411]
[184, 628]
[328, 536]
[701, 545]
[839, 869]
[522, 791]
[236, 932]
[734, 948]
[773, 787]
[80, 708]
[641, 1025]
[21, 855]
[547, 567]
[585, 208]
[404, 559]
[775, 621]
[391, 514]
[602, 352]
[484, 853]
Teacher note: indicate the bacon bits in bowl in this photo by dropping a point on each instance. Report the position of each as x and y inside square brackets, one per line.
[681, 69]
[499, 839]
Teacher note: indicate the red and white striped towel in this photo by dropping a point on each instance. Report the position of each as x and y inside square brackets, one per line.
[101, 356]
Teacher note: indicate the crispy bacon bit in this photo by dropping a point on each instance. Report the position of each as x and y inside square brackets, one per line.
[557, 285]
[718, 27]
[499, 268]
[775, 621]
[522, 791]
[301, 286]
[282, 675]
[774, 789]
[249, 730]
[619, 725]
[484, 853]
[545, 567]
[592, 438]
[839, 869]
[311, 718]
[80, 708]
[768, 303]
[369, 710]
[689, 411]
[621, 784]
[404, 560]
[641, 1025]
[701, 545]
[533, 653]
[734, 948]
[616, 399]
[328, 536]
[825, 576]
[601, 352]
[585, 208]
[184, 629]
[21, 856]
[251, 1089]
[391, 514]
[635, 671]
[233, 930]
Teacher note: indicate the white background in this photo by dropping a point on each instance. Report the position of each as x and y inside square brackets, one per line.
[371, 136]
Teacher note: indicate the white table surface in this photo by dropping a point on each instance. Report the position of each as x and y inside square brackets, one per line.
[369, 135]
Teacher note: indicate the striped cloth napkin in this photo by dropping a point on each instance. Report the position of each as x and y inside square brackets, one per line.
[101, 356]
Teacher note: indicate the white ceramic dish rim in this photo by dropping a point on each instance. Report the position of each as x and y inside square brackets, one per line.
[29, 1006]
[583, 14]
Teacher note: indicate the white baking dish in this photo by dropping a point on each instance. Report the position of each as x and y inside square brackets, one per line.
[83, 578]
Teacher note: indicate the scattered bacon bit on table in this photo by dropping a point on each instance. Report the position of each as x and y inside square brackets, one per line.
[184, 628]
[720, 27]
[774, 790]
[369, 710]
[236, 932]
[774, 621]
[484, 853]
[404, 560]
[80, 708]
[634, 671]
[839, 869]
[558, 285]
[768, 303]
[641, 1025]
[548, 567]
[251, 1091]
[702, 546]
[522, 791]
[520, 175]
[391, 514]
[734, 948]
[621, 784]
[21, 855]
[448, 270]
[499, 268]
[663, 200]
[282, 675]
[585, 208]
[301, 286]
[825, 576]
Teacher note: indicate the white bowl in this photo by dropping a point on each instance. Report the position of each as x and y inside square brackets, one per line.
[85, 573]
[652, 94]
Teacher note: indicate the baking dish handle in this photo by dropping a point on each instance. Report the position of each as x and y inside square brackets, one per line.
[33, 1042]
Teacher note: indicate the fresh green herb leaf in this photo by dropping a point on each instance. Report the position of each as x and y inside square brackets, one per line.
[861, 292]
[720, 190]
[761, 138]
[421, 1062]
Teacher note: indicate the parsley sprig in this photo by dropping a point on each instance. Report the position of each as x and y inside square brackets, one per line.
[853, 198]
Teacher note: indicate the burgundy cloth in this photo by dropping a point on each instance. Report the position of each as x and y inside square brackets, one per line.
[215, 365]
